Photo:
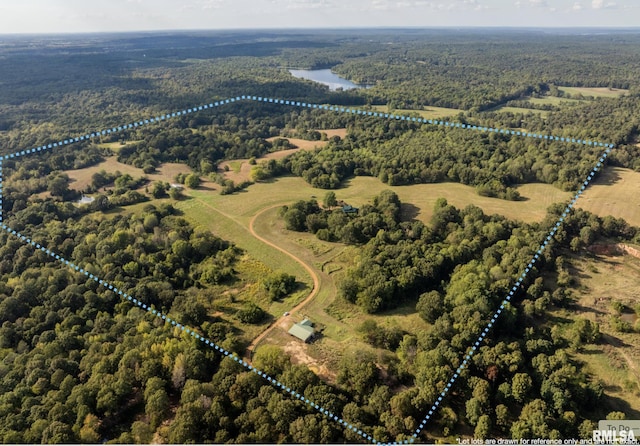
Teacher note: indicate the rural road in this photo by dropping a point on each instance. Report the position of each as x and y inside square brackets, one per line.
[312, 273]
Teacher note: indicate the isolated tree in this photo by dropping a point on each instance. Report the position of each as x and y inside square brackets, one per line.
[58, 186]
[175, 193]
[279, 284]
[295, 220]
[430, 306]
[271, 360]
[251, 314]
[159, 189]
[330, 200]
[192, 181]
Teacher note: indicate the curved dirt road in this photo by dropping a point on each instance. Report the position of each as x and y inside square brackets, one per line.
[312, 273]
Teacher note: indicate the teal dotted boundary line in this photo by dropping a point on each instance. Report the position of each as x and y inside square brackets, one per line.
[189, 331]
[0, 190]
[148, 121]
[511, 292]
[144, 122]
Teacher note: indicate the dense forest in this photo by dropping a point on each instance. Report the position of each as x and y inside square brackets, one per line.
[78, 364]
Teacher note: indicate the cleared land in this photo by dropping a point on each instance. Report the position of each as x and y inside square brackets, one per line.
[428, 112]
[316, 263]
[616, 192]
[115, 146]
[337, 320]
[615, 360]
[308, 268]
[81, 178]
[553, 100]
[334, 132]
[503, 108]
[233, 217]
[596, 92]
[240, 169]
[419, 198]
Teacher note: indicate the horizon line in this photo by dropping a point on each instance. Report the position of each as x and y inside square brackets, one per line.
[328, 28]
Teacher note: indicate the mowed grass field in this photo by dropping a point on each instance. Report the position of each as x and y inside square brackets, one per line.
[616, 191]
[81, 178]
[503, 108]
[553, 100]
[596, 92]
[240, 169]
[428, 113]
[419, 199]
[115, 146]
[615, 360]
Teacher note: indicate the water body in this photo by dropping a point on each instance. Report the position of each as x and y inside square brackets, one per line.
[326, 77]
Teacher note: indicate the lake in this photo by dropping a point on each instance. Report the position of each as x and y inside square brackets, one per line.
[326, 77]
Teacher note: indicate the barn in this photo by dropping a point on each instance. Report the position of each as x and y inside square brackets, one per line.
[303, 330]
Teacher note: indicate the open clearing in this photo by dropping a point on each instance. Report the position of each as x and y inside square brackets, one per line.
[115, 146]
[523, 110]
[616, 192]
[240, 169]
[334, 132]
[419, 199]
[596, 92]
[553, 100]
[301, 144]
[81, 178]
[428, 112]
[616, 358]
[336, 319]
[230, 216]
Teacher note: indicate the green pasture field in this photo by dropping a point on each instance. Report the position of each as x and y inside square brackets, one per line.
[596, 92]
[428, 113]
[615, 191]
[543, 113]
[615, 359]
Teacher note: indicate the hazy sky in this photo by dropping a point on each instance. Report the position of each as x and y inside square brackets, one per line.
[45, 16]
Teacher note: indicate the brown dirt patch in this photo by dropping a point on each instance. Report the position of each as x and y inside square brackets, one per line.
[299, 355]
[616, 249]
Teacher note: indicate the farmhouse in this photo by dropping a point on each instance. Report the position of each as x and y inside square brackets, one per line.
[303, 330]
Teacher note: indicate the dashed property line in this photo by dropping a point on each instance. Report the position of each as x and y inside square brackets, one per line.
[191, 332]
[113, 130]
[0, 190]
[357, 111]
[511, 293]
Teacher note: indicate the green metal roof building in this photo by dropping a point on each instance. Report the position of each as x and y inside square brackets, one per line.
[303, 330]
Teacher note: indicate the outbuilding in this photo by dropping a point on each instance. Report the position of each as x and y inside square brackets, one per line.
[303, 330]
